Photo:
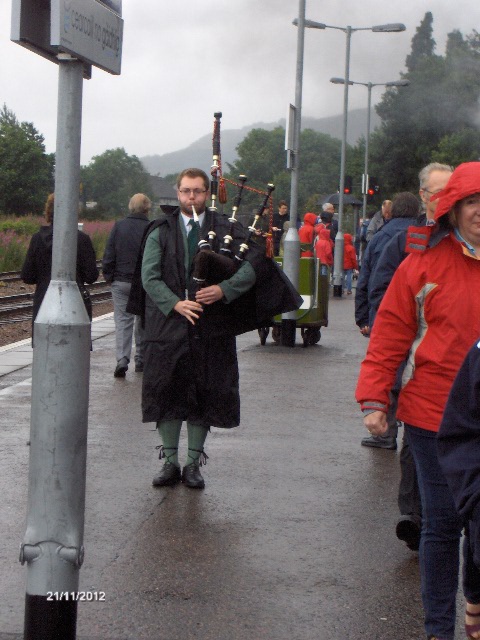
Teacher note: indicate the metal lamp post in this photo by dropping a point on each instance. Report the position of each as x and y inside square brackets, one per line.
[291, 256]
[369, 85]
[339, 241]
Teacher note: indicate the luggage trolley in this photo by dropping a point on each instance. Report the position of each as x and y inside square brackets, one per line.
[313, 286]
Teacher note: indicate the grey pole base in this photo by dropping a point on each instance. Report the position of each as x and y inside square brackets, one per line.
[50, 619]
[337, 291]
[289, 329]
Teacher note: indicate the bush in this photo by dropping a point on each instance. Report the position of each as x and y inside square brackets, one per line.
[15, 235]
[98, 232]
[13, 249]
[24, 226]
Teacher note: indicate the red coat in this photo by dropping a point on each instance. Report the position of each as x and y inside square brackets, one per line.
[323, 246]
[306, 233]
[430, 312]
[349, 253]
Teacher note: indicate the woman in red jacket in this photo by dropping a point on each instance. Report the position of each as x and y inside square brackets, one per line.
[349, 262]
[430, 316]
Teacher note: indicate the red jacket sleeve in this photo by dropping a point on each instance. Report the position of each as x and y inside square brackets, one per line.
[392, 336]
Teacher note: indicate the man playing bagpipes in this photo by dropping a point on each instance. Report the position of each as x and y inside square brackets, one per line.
[192, 318]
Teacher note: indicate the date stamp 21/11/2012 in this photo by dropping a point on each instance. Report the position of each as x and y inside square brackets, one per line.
[76, 596]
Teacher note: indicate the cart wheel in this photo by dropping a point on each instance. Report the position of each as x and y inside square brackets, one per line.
[276, 334]
[315, 336]
[305, 337]
[263, 333]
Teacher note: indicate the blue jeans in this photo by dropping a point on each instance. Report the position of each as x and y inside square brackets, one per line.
[440, 540]
[347, 279]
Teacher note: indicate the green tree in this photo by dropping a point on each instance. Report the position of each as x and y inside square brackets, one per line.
[423, 44]
[26, 171]
[262, 158]
[458, 147]
[433, 115]
[111, 179]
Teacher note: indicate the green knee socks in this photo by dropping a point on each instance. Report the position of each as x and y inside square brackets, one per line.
[196, 439]
[169, 431]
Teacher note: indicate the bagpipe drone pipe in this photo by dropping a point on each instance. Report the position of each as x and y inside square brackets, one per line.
[219, 258]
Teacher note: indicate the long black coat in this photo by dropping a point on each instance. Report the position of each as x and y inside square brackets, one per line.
[191, 372]
[37, 268]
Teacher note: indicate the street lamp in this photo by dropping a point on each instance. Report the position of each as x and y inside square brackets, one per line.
[369, 85]
[339, 242]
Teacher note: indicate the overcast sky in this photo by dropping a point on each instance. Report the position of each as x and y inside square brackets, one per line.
[186, 59]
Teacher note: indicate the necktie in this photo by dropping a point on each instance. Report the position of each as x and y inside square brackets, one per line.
[192, 239]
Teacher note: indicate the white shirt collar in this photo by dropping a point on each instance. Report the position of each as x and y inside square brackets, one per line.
[186, 220]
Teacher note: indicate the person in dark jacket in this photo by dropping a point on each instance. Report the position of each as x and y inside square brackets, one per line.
[119, 260]
[458, 447]
[404, 212]
[190, 360]
[433, 178]
[279, 218]
[37, 267]
[379, 219]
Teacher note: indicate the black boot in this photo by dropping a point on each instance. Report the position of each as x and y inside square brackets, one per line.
[191, 476]
[170, 473]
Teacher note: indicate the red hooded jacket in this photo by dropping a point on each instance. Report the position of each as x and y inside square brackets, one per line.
[349, 253]
[306, 234]
[323, 246]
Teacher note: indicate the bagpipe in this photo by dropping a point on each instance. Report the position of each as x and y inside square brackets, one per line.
[217, 259]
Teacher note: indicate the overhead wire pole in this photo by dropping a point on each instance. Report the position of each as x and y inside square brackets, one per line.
[291, 259]
[369, 85]
[339, 240]
[367, 141]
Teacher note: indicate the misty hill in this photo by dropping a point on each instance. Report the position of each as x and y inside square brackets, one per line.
[199, 153]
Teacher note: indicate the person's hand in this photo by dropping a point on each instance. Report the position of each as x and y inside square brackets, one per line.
[258, 232]
[365, 331]
[189, 309]
[376, 423]
[209, 295]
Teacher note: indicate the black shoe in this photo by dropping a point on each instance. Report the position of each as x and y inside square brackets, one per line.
[192, 477]
[139, 368]
[408, 529]
[168, 476]
[120, 369]
[380, 442]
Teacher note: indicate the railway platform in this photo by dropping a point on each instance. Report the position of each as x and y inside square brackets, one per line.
[19, 354]
[293, 537]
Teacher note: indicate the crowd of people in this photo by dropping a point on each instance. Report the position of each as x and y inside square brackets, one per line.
[415, 300]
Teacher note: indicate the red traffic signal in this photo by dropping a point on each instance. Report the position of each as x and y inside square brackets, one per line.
[373, 186]
[348, 184]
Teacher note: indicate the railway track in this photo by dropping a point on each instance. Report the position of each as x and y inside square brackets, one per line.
[18, 307]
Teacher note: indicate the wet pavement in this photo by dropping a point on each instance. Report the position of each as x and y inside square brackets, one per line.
[292, 538]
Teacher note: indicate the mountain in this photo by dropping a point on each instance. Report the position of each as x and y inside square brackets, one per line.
[199, 153]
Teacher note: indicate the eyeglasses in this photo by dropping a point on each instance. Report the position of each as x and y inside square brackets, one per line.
[196, 192]
[433, 193]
